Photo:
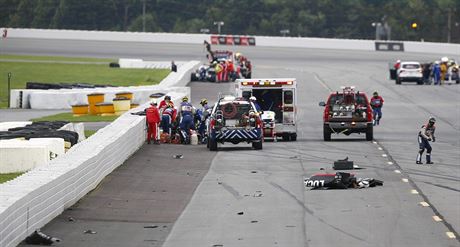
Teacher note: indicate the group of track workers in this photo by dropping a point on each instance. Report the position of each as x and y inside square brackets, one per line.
[177, 123]
[436, 71]
[226, 69]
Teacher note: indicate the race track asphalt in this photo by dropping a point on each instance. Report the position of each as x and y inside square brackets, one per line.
[196, 201]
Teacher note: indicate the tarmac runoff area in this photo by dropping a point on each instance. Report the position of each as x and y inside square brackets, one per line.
[243, 197]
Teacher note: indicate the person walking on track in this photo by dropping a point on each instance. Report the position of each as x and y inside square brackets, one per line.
[425, 135]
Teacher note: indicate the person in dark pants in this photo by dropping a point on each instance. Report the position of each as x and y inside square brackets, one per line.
[377, 104]
[186, 113]
[173, 67]
[425, 135]
[153, 118]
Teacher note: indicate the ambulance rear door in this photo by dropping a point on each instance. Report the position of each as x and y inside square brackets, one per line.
[289, 111]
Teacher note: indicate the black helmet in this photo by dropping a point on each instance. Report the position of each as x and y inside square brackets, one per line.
[375, 93]
[167, 97]
[432, 120]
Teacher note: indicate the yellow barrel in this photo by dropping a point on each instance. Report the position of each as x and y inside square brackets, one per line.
[93, 99]
[121, 105]
[81, 109]
[134, 105]
[128, 95]
[105, 108]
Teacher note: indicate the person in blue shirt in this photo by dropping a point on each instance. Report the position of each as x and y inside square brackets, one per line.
[186, 113]
[436, 73]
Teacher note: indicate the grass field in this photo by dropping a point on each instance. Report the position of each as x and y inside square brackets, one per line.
[68, 116]
[9, 176]
[57, 72]
[89, 133]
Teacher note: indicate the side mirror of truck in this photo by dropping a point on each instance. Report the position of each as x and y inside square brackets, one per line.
[322, 103]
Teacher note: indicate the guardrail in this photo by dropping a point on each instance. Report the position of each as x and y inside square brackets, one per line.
[180, 38]
[33, 199]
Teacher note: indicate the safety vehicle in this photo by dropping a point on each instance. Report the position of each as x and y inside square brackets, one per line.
[346, 112]
[234, 119]
[409, 72]
[277, 95]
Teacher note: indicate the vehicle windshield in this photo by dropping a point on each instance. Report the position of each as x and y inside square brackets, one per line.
[338, 99]
[234, 110]
[411, 66]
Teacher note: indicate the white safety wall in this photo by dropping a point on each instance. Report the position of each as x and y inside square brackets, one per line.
[32, 200]
[180, 38]
[35, 198]
[174, 83]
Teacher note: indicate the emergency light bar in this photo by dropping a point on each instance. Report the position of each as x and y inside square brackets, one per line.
[265, 83]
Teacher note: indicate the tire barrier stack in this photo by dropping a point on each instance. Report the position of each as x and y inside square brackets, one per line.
[233, 40]
[46, 86]
[66, 98]
[24, 147]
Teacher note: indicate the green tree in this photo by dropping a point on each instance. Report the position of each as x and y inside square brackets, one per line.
[151, 24]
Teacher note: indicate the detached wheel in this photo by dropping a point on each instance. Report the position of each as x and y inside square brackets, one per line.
[326, 133]
[212, 145]
[257, 145]
[369, 132]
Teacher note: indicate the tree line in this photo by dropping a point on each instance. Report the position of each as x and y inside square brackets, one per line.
[352, 19]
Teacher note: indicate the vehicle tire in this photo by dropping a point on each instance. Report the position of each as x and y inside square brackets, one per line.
[398, 81]
[420, 82]
[294, 137]
[257, 145]
[193, 77]
[285, 137]
[369, 132]
[458, 81]
[207, 142]
[326, 133]
[212, 145]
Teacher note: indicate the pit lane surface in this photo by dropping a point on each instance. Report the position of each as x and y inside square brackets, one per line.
[267, 185]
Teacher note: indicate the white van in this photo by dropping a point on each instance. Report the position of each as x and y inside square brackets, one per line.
[277, 95]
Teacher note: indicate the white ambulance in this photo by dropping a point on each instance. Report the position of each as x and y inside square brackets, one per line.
[274, 95]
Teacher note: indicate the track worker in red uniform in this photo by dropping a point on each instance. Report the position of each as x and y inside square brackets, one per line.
[153, 119]
[377, 104]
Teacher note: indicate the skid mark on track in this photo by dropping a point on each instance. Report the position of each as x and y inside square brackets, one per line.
[309, 211]
[232, 191]
[442, 186]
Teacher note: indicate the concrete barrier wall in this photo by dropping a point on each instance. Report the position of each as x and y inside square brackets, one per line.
[300, 42]
[35, 198]
[65, 98]
[32, 200]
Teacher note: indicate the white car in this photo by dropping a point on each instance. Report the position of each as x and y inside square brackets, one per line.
[409, 71]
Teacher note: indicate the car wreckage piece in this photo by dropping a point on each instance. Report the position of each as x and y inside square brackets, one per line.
[340, 180]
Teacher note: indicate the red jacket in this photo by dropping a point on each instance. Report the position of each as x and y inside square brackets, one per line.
[377, 102]
[152, 114]
[163, 104]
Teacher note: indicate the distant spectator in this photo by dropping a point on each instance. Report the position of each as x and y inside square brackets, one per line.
[173, 67]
